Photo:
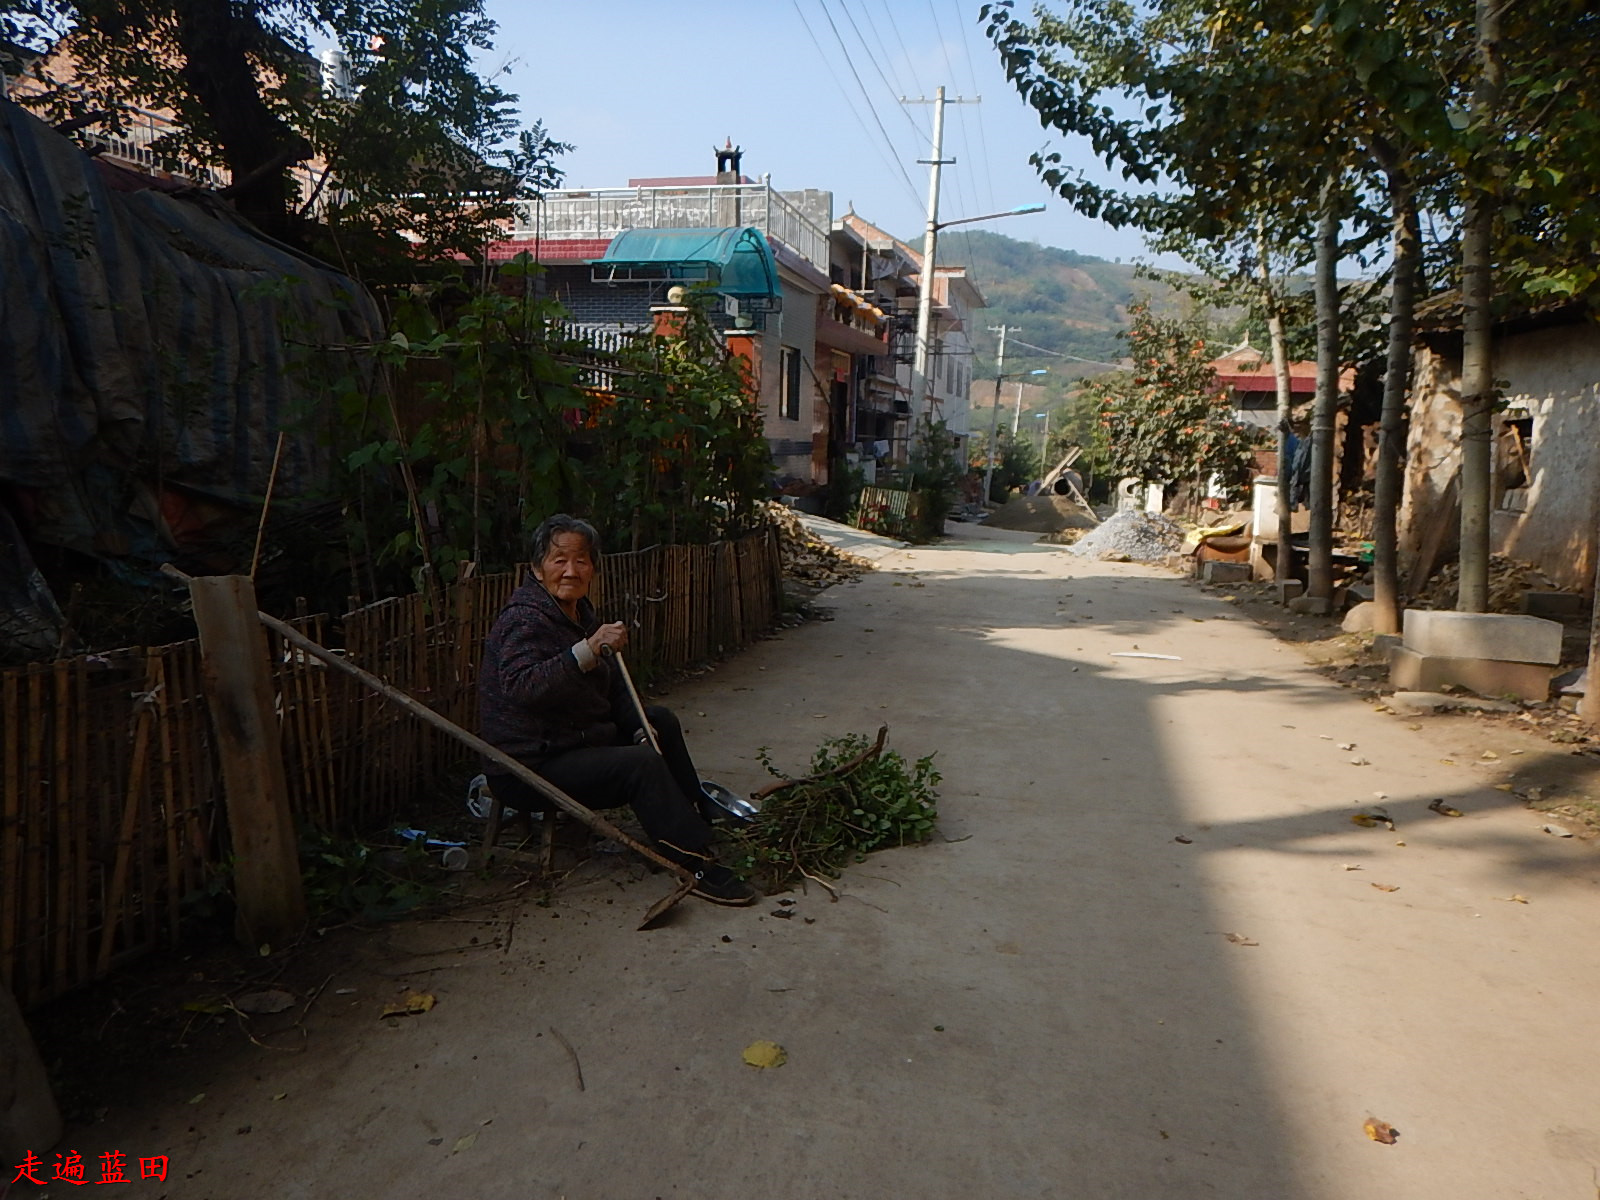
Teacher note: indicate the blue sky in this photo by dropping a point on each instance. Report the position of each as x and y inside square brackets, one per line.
[648, 87]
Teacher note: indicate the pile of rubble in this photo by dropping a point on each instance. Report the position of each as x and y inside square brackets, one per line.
[807, 558]
[1131, 536]
[1508, 580]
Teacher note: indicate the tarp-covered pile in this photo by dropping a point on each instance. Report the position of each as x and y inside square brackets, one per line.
[144, 373]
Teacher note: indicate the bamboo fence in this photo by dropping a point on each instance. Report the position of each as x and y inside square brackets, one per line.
[111, 812]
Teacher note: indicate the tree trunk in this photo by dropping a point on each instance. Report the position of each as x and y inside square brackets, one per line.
[1407, 234]
[1477, 295]
[222, 43]
[1284, 566]
[1319, 572]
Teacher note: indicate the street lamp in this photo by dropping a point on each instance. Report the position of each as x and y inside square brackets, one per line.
[994, 420]
[1044, 442]
[930, 244]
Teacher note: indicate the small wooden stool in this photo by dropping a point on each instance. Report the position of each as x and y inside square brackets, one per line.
[497, 819]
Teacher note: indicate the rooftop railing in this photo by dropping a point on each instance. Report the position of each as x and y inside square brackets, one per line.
[606, 212]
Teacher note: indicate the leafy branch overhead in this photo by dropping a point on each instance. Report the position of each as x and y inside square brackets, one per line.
[404, 135]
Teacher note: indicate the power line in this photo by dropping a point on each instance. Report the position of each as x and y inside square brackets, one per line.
[904, 53]
[894, 163]
[1099, 362]
[871, 108]
[983, 136]
[873, 59]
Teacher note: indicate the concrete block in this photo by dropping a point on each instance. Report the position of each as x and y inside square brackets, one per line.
[1288, 589]
[1413, 672]
[1554, 605]
[1384, 645]
[1217, 571]
[1360, 592]
[1500, 636]
[1314, 606]
[1418, 702]
[1361, 618]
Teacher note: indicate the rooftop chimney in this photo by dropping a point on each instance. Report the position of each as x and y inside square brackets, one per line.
[728, 162]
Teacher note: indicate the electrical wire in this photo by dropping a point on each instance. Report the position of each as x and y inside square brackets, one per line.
[849, 61]
[893, 162]
[873, 59]
[983, 136]
[1099, 362]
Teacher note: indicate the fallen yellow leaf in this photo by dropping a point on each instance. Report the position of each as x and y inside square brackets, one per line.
[409, 1005]
[464, 1143]
[1387, 887]
[1380, 1131]
[765, 1054]
[1514, 898]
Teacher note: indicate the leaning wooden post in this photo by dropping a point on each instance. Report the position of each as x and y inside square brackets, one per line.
[233, 651]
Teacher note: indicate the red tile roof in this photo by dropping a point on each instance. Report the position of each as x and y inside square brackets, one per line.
[549, 250]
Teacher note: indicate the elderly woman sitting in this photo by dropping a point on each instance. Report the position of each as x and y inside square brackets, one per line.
[549, 696]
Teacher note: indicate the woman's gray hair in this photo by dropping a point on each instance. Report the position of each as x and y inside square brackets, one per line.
[561, 523]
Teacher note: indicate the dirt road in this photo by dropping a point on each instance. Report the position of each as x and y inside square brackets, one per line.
[1151, 957]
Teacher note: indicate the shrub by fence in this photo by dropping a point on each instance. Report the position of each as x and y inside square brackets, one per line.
[111, 810]
[896, 513]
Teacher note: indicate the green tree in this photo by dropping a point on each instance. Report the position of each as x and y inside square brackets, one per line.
[1167, 420]
[414, 139]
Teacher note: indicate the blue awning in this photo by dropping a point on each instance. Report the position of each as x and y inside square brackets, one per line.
[734, 262]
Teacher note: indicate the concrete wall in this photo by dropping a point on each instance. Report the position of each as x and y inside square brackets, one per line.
[1553, 377]
[796, 327]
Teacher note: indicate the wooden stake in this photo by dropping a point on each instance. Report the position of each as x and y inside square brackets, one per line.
[238, 686]
[266, 505]
[138, 764]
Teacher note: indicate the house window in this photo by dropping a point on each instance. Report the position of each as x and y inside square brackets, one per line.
[789, 400]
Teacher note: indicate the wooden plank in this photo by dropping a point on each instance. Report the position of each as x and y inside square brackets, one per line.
[138, 764]
[11, 829]
[83, 825]
[61, 802]
[36, 861]
[238, 685]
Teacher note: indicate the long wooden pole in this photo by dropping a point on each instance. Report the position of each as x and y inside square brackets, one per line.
[470, 740]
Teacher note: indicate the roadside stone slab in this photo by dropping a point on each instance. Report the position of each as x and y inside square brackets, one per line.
[1508, 637]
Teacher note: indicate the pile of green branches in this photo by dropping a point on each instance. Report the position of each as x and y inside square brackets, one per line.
[856, 798]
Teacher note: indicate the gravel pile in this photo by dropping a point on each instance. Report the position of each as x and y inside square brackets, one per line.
[1131, 536]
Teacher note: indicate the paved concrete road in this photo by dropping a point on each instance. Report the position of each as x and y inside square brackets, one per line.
[1046, 1002]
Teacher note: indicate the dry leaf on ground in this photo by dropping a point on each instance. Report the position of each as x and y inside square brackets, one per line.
[1443, 809]
[409, 1005]
[1381, 1131]
[1514, 898]
[765, 1054]
[1239, 939]
[1387, 887]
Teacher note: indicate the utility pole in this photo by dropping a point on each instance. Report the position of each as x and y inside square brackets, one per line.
[930, 248]
[1016, 413]
[994, 413]
[930, 252]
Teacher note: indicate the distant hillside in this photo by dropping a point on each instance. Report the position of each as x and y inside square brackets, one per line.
[1064, 301]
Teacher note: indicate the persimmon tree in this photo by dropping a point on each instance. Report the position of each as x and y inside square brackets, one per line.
[1168, 419]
